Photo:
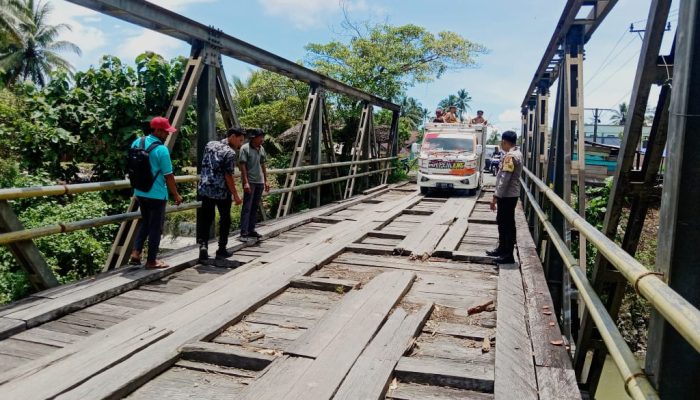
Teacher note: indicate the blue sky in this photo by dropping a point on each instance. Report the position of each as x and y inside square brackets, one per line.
[515, 32]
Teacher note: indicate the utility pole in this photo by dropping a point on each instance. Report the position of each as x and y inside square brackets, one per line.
[597, 112]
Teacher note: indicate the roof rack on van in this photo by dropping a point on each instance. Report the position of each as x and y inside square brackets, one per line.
[456, 127]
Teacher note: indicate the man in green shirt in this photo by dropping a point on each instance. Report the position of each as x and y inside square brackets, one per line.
[251, 162]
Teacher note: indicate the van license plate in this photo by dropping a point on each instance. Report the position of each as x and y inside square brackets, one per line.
[445, 185]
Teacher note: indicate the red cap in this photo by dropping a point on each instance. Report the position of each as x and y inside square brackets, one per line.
[162, 123]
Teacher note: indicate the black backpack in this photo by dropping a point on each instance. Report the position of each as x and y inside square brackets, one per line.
[138, 166]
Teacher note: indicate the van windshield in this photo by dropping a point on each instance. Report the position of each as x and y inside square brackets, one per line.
[441, 143]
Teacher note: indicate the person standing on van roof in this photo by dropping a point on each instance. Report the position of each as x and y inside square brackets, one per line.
[217, 188]
[506, 198]
[152, 202]
[479, 119]
[439, 116]
[451, 115]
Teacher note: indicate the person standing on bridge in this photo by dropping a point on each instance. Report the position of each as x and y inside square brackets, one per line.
[217, 189]
[506, 198]
[254, 176]
[152, 202]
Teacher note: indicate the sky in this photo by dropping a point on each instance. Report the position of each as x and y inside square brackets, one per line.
[516, 36]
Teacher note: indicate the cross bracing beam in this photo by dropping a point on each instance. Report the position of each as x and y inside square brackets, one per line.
[169, 23]
[545, 70]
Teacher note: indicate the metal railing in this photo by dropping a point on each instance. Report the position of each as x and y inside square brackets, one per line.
[680, 313]
[58, 190]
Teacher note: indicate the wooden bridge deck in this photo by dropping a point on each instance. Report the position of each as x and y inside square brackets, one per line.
[386, 295]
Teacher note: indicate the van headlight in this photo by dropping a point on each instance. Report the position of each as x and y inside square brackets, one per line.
[424, 179]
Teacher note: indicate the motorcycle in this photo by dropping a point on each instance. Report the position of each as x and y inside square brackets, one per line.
[495, 164]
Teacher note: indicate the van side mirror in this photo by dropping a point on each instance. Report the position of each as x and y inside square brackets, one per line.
[415, 148]
[479, 149]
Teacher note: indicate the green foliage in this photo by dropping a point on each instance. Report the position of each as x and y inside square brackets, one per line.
[385, 60]
[31, 50]
[95, 119]
[71, 256]
[460, 100]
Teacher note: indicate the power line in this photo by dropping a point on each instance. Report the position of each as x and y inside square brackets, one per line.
[621, 98]
[604, 65]
[623, 65]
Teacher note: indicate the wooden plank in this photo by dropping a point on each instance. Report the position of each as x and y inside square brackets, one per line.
[473, 332]
[9, 327]
[79, 368]
[380, 241]
[386, 235]
[8, 362]
[515, 369]
[473, 257]
[70, 328]
[557, 384]
[412, 391]
[278, 379]
[21, 348]
[186, 384]
[452, 348]
[443, 372]
[45, 336]
[374, 300]
[365, 248]
[227, 356]
[539, 300]
[328, 284]
[216, 369]
[381, 356]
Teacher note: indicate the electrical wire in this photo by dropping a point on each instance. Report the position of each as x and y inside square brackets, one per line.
[605, 65]
[623, 65]
[602, 64]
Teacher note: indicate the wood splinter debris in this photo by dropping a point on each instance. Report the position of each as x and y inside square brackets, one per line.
[486, 345]
[488, 306]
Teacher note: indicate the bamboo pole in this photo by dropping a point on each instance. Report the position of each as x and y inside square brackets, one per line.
[10, 237]
[636, 383]
[59, 190]
[680, 313]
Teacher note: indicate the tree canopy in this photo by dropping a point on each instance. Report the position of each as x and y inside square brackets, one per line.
[386, 60]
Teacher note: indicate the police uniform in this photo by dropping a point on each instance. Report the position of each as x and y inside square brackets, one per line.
[507, 193]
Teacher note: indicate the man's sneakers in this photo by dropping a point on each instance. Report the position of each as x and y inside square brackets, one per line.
[255, 235]
[203, 252]
[223, 254]
[505, 259]
[494, 253]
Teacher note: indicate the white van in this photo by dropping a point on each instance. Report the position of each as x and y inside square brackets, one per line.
[451, 157]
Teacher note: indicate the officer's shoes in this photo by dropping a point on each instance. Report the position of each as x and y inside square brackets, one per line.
[494, 253]
[222, 254]
[505, 260]
[243, 238]
[203, 252]
[255, 235]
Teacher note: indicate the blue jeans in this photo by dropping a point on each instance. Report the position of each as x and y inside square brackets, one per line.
[152, 219]
[249, 213]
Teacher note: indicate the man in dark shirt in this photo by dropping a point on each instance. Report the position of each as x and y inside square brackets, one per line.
[217, 188]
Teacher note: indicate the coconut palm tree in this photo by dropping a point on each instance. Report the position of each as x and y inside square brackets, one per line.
[411, 112]
[9, 21]
[37, 52]
[619, 116]
[463, 99]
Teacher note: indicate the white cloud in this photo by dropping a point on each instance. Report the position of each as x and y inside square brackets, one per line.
[88, 38]
[147, 40]
[508, 119]
[179, 5]
[305, 14]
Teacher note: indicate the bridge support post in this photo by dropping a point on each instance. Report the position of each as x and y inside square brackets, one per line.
[316, 127]
[609, 284]
[673, 364]
[206, 121]
[357, 148]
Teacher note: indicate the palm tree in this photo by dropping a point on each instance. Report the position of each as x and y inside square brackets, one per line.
[9, 16]
[411, 112]
[463, 99]
[450, 100]
[36, 53]
[619, 116]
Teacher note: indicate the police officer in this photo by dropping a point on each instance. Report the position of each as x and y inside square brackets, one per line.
[506, 197]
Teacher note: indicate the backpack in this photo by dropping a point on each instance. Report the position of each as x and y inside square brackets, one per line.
[138, 166]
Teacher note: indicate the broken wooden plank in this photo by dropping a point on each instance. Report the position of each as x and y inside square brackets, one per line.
[473, 332]
[515, 369]
[227, 356]
[375, 300]
[366, 248]
[444, 372]
[328, 284]
[381, 356]
[412, 391]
